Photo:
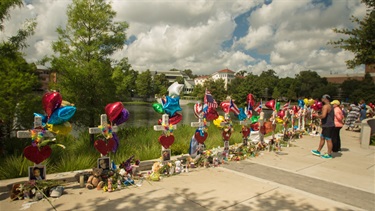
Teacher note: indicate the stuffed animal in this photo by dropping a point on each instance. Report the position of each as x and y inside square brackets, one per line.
[178, 167]
[95, 181]
[155, 175]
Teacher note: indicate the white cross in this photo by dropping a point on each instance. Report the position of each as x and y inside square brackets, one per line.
[164, 123]
[37, 127]
[245, 123]
[223, 124]
[199, 124]
[103, 124]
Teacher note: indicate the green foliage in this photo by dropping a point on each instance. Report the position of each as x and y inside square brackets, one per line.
[361, 40]
[124, 79]
[189, 73]
[83, 64]
[160, 84]
[216, 88]
[355, 90]
[143, 84]
[5, 6]
[307, 82]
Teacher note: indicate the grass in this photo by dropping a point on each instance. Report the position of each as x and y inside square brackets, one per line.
[139, 141]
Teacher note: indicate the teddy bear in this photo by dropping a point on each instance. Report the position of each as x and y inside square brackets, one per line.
[155, 175]
[95, 181]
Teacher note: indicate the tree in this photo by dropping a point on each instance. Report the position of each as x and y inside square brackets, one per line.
[361, 40]
[161, 84]
[5, 6]
[83, 60]
[144, 87]
[241, 73]
[189, 73]
[124, 79]
[19, 81]
[180, 80]
[307, 82]
[216, 88]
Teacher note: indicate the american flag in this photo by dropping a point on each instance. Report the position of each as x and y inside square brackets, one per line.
[258, 108]
[286, 106]
[209, 100]
[233, 107]
[249, 110]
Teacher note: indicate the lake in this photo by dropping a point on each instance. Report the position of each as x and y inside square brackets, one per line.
[144, 115]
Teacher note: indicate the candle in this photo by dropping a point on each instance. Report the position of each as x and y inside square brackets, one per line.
[81, 181]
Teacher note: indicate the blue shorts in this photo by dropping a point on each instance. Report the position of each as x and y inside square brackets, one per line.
[327, 133]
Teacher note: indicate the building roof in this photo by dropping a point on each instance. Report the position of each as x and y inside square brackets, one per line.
[202, 77]
[225, 71]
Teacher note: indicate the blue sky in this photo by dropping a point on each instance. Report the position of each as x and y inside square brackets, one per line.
[209, 35]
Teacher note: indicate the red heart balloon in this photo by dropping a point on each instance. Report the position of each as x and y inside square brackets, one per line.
[255, 126]
[200, 138]
[226, 135]
[35, 155]
[281, 114]
[113, 110]
[225, 105]
[245, 132]
[166, 141]
[175, 119]
[295, 109]
[271, 104]
[51, 101]
[212, 114]
[104, 147]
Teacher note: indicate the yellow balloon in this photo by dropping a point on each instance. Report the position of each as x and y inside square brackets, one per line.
[311, 101]
[306, 101]
[278, 120]
[219, 120]
[62, 129]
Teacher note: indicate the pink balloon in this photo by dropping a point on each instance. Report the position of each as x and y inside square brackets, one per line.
[319, 105]
[271, 104]
[225, 105]
[281, 114]
[51, 101]
[113, 110]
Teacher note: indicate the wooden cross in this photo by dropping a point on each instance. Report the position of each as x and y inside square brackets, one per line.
[226, 143]
[245, 123]
[164, 123]
[200, 124]
[104, 124]
[261, 123]
[37, 126]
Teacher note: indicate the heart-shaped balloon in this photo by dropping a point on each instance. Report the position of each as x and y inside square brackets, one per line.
[61, 115]
[245, 132]
[116, 141]
[113, 110]
[226, 135]
[198, 108]
[211, 114]
[301, 103]
[51, 101]
[104, 147]
[166, 141]
[281, 114]
[225, 105]
[200, 138]
[175, 119]
[295, 109]
[123, 117]
[271, 104]
[158, 108]
[319, 105]
[35, 155]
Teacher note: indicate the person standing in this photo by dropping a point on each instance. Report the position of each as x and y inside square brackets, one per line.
[328, 124]
[352, 116]
[338, 120]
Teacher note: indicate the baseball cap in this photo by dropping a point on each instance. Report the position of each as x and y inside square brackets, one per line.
[335, 102]
[326, 97]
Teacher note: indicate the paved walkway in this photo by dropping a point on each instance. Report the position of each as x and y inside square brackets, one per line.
[291, 180]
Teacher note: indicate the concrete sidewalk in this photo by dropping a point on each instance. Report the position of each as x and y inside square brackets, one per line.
[291, 180]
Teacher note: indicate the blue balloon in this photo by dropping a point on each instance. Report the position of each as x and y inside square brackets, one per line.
[44, 118]
[172, 105]
[241, 116]
[61, 115]
[301, 103]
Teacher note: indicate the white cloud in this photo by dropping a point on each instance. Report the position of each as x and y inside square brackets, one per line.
[186, 34]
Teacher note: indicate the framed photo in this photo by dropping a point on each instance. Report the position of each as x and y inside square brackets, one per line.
[104, 163]
[166, 154]
[226, 145]
[37, 172]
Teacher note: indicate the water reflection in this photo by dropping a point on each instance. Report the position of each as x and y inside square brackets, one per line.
[144, 115]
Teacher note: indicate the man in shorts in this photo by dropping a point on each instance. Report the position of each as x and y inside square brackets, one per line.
[328, 126]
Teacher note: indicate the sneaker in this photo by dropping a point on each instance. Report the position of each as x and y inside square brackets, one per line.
[326, 156]
[57, 191]
[315, 152]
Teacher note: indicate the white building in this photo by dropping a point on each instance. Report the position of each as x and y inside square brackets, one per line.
[227, 75]
[201, 79]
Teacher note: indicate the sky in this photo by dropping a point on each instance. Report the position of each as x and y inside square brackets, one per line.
[206, 36]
